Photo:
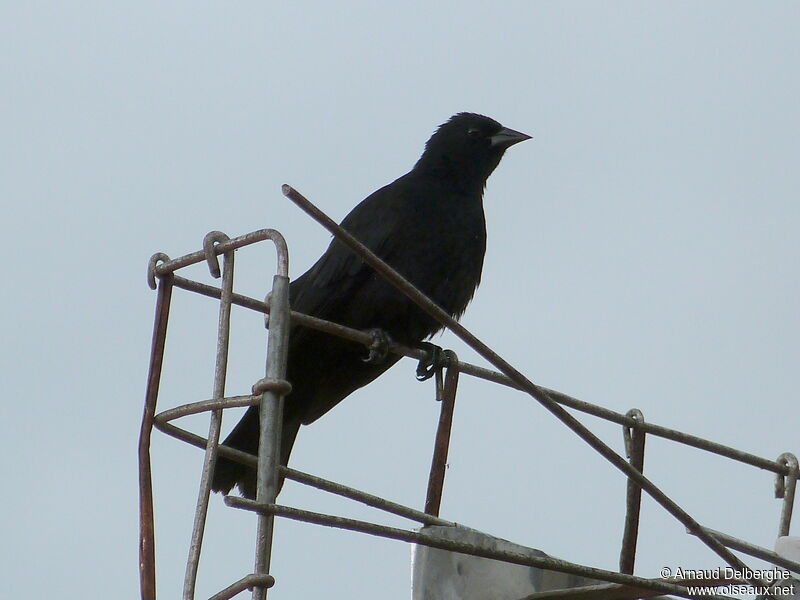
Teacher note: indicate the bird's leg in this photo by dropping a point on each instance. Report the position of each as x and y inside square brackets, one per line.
[379, 347]
[435, 360]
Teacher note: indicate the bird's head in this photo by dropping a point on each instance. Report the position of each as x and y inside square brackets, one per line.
[468, 147]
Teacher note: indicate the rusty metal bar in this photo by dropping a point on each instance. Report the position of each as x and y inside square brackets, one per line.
[220, 373]
[785, 488]
[426, 304]
[298, 318]
[362, 337]
[427, 539]
[147, 542]
[433, 499]
[365, 498]
[162, 424]
[634, 448]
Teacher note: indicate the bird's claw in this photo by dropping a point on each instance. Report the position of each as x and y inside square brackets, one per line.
[435, 360]
[378, 348]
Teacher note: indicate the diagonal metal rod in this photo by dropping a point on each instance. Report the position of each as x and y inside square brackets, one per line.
[531, 558]
[753, 550]
[616, 591]
[362, 337]
[421, 300]
[320, 483]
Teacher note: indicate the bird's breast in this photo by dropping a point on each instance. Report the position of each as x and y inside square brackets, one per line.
[443, 257]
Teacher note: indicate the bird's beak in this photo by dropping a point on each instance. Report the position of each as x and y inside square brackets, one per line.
[507, 137]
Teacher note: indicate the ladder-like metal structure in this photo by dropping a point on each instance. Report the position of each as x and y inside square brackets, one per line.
[269, 392]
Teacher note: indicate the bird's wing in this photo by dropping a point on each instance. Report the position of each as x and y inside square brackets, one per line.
[337, 276]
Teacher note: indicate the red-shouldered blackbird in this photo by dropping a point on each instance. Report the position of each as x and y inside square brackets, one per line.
[429, 226]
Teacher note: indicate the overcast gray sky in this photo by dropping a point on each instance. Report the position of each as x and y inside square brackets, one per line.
[642, 253]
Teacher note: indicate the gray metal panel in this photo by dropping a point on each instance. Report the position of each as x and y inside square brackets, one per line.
[789, 547]
[442, 575]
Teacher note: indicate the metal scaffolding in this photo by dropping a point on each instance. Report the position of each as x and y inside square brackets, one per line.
[270, 391]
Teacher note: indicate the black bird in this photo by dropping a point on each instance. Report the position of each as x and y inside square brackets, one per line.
[429, 226]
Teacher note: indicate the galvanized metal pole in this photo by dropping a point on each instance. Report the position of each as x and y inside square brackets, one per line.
[273, 389]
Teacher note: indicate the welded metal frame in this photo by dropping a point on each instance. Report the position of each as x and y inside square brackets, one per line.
[268, 393]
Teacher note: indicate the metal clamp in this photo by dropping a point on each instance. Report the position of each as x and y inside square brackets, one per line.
[784, 488]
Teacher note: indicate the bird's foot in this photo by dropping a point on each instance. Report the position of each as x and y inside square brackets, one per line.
[378, 348]
[435, 360]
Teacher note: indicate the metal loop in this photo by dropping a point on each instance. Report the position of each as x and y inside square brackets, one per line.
[158, 257]
[279, 386]
[637, 415]
[210, 241]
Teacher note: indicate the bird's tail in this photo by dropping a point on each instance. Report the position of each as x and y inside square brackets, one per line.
[244, 437]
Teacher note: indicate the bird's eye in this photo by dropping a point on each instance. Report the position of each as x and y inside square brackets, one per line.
[473, 132]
